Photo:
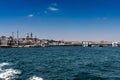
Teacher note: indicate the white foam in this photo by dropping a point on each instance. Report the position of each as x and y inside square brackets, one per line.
[4, 64]
[35, 78]
[8, 74]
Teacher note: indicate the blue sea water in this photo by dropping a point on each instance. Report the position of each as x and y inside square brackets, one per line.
[60, 63]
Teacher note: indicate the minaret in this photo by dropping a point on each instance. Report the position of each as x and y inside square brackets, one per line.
[27, 35]
[13, 35]
[17, 37]
[31, 35]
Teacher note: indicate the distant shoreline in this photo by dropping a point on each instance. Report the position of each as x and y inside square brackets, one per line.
[57, 46]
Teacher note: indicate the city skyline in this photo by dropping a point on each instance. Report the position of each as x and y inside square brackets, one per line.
[72, 20]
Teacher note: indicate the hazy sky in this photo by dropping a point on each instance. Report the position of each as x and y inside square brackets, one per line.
[62, 19]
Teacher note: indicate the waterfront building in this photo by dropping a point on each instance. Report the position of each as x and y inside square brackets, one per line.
[104, 43]
[61, 43]
[86, 43]
[11, 41]
[4, 41]
[76, 43]
[68, 43]
[115, 44]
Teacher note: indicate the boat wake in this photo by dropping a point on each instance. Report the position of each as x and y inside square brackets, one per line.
[10, 74]
[35, 78]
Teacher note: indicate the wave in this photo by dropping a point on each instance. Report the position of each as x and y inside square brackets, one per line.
[35, 78]
[4, 64]
[8, 74]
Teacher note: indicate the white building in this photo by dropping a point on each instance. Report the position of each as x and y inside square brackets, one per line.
[114, 44]
[4, 41]
[85, 43]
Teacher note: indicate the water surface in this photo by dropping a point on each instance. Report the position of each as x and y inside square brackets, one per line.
[60, 63]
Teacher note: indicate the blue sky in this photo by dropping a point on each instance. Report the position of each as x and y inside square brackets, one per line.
[62, 19]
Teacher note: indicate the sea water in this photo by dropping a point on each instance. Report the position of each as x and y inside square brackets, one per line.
[60, 63]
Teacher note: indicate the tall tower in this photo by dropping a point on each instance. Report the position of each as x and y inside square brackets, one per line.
[27, 35]
[13, 35]
[31, 35]
[17, 37]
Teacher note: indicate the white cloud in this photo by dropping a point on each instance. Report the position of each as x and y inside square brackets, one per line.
[51, 8]
[30, 15]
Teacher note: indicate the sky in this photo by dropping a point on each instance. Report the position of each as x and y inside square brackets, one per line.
[70, 20]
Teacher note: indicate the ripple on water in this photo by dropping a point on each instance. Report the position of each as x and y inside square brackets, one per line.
[8, 74]
[35, 78]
